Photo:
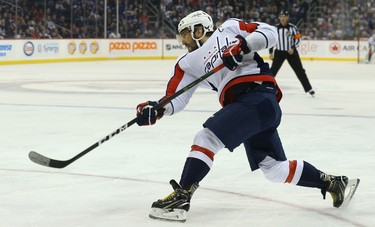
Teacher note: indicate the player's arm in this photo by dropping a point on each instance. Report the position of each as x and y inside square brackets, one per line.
[296, 37]
[259, 36]
[147, 116]
[180, 78]
[252, 37]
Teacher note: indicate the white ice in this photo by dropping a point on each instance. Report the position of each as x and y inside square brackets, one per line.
[60, 109]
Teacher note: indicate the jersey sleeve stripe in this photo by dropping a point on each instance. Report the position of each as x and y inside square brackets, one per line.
[249, 27]
[175, 80]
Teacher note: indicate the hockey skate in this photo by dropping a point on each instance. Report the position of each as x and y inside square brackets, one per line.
[175, 206]
[340, 187]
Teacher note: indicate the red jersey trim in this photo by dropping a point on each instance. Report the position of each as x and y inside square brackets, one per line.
[249, 27]
[250, 78]
[175, 80]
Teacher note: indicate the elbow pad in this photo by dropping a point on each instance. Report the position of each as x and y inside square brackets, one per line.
[262, 39]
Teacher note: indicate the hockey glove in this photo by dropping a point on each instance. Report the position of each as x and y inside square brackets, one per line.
[232, 56]
[146, 115]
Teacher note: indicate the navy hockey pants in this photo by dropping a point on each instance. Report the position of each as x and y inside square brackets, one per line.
[252, 120]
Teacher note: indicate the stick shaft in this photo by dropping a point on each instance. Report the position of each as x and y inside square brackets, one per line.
[42, 160]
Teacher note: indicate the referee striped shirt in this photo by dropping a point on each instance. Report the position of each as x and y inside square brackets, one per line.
[289, 37]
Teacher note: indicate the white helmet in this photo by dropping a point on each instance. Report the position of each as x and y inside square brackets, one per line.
[196, 18]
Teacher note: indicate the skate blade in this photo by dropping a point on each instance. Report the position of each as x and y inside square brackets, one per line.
[349, 191]
[175, 215]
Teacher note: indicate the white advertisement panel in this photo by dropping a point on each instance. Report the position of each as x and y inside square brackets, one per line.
[172, 48]
[328, 50]
[133, 48]
[7, 50]
[41, 49]
[54, 50]
[324, 49]
[82, 48]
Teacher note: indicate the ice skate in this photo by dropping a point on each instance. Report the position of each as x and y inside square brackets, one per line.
[175, 206]
[340, 187]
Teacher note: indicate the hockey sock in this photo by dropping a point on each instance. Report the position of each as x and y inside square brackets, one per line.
[310, 177]
[194, 171]
[200, 158]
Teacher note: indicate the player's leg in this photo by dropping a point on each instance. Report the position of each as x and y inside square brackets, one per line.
[265, 151]
[278, 60]
[201, 156]
[296, 64]
[370, 53]
[197, 165]
[228, 127]
[175, 205]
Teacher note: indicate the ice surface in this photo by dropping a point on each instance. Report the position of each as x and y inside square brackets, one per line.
[61, 109]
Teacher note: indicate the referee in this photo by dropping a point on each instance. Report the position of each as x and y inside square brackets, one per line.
[286, 48]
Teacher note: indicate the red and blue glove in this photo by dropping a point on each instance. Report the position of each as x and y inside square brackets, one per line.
[233, 55]
[146, 115]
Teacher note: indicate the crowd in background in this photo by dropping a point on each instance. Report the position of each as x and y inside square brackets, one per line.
[50, 19]
[265, 11]
[338, 19]
[335, 19]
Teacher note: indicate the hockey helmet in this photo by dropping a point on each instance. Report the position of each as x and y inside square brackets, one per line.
[284, 13]
[196, 18]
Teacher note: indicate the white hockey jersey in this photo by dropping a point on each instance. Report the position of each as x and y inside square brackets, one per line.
[193, 65]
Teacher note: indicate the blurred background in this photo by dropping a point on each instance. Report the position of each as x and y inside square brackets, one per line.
[60, 108]
[316, 19]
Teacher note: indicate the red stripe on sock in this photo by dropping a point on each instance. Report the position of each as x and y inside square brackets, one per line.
[205, 151]
[292, 171]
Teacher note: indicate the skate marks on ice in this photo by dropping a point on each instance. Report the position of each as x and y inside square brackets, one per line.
[196, 214]
[55, 106]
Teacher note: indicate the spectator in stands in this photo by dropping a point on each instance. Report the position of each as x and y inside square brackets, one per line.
[335, 20]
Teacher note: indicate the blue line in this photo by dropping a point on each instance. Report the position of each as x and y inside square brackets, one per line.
[187, 110]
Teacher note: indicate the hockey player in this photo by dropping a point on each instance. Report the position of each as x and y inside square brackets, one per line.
[250, 112]
[371, 47]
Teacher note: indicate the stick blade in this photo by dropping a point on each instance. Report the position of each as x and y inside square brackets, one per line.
[39, 159]
[44, 161]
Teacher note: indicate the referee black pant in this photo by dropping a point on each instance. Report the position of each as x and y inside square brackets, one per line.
[296, 64]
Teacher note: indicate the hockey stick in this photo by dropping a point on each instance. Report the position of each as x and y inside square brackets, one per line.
[45, 161]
